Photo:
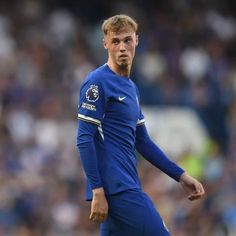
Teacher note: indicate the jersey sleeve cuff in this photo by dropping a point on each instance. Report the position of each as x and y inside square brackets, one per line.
[98, 185]
[180, 172]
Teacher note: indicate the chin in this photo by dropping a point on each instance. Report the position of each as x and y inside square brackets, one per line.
[124, 63]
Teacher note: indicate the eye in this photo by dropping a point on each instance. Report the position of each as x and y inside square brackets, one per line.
[128, 40]
[115, 41]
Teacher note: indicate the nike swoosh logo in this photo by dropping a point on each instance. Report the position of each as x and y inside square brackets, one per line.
[121, 98]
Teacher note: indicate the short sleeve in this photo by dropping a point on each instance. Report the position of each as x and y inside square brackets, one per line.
[92, 101]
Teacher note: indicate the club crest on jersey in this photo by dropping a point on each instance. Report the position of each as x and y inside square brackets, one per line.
[92, 94]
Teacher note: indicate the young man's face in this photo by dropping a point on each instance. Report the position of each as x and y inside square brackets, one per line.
[121, 46]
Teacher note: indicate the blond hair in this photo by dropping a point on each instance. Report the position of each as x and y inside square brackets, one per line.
[117, 23]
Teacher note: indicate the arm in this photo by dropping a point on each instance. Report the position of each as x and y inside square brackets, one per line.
[88, 155]
[154, 155]
[151, 152]
[91, 108]
[85, 143]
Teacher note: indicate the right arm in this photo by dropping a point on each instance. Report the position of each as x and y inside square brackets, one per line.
[88, 155]
[91, 109]
[85, 144]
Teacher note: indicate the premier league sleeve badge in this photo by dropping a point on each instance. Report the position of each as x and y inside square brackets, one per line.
[92, 94]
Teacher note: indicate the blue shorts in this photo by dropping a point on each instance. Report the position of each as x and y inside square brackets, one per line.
[132, 213]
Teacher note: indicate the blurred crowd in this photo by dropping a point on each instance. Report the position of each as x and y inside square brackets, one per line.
[186, 57]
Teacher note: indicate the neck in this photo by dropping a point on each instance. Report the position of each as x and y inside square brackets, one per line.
[120, 70]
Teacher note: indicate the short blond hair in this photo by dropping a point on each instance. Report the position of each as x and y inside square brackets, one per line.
[117, 23]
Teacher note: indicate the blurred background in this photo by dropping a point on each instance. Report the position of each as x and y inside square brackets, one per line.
[185, 68]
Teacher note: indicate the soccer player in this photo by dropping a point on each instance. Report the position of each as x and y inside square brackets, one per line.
[111, 127]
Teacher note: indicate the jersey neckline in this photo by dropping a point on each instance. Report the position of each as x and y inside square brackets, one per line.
[108, 68]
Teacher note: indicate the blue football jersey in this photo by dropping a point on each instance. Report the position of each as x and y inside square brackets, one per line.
[111, 102]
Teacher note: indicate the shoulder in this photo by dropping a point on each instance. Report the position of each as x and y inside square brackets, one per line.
[102, 76]
[136, 89]
[135, 86]
[93, 85]
[92, 77]
[97, 75]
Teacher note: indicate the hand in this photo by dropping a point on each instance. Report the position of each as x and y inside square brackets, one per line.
[191, 186]
[99, 206]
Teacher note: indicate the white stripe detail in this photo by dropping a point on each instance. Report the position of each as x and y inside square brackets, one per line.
[140, 122]
[101, 131]
[165, 225]
[87, 118]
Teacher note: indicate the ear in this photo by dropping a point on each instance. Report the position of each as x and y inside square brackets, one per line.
[104, 43]
[137, 40]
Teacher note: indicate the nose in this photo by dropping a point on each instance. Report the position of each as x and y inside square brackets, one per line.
[122, 46]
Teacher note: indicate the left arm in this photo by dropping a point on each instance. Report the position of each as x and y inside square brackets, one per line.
[151, 152]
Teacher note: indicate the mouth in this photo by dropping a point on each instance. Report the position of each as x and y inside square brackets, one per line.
[123, 56]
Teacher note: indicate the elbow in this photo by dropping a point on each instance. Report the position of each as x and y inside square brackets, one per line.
[78, 143]
[79, 140]
[85, 133]
[142, 143]
[83, 139]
